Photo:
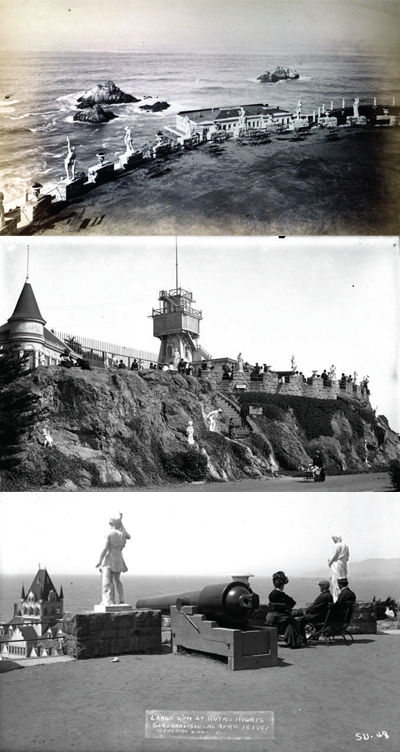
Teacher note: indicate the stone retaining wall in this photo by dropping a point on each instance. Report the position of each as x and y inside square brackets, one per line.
[95, 635]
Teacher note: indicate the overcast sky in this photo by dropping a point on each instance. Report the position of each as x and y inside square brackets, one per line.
[171, 535]
[200, 25]
[324, 300]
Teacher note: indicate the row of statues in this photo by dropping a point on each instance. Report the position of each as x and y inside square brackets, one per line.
[70, 160]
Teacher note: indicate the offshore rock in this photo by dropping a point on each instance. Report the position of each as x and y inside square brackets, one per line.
[107, 93]
[279, 74]
[94, 114]
[156, 107]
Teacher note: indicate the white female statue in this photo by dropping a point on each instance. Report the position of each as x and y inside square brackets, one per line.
[111, 562]
[128, 141]
[70, 161]
[240, 362]
[338, 563]
[190, 432]
[211, 417]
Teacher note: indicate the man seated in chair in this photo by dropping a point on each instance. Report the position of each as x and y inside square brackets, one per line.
[316, 612]
[346, 599]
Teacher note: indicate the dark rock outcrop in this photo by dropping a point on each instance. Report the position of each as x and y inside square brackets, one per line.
[107, 93]
[279, 74]
[156, 107]
[94, 114]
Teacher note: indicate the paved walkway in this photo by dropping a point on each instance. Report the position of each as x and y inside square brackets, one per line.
[322, 698]
[363, 482]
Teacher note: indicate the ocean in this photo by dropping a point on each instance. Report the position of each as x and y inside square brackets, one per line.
[82, 592]
[319, 183]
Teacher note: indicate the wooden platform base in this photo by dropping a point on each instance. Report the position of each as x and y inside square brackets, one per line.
[244, 649]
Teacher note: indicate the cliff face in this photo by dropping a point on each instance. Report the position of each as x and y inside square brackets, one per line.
[129, 428]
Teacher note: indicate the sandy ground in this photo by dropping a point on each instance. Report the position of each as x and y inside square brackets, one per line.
[322, 697]
[335, 483]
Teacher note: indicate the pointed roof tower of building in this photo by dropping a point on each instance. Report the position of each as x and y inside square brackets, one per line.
[23, 596]
[27, 308]
[41, 585]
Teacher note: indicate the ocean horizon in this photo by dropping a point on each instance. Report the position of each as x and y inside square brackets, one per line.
[83, 592]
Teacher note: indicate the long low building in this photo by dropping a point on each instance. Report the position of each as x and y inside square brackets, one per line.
[207, 121]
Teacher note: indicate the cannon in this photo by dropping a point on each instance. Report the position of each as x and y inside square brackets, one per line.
[215, 620]
[230, 605]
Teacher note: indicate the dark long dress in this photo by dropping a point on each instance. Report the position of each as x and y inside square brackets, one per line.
[280, 616]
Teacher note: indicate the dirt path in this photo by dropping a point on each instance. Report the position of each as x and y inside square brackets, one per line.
[321, 696]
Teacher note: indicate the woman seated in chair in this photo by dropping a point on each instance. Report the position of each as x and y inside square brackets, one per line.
[281, 615]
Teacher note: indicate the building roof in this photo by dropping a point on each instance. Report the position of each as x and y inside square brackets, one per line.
[29, 633]
[27, 307]
[224, 113]
[41, 585]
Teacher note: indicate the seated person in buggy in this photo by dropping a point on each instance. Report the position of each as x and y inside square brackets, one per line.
[281, 613]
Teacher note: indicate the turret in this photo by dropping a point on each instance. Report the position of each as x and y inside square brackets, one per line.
[177, 324]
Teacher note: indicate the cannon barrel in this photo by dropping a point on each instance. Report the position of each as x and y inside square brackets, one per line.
[230, 605]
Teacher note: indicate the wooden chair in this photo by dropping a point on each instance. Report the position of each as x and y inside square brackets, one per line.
[335, 625]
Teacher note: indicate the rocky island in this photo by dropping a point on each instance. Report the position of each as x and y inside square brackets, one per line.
[94, 114]
[279, 74]
[107, 93]
[156, 107]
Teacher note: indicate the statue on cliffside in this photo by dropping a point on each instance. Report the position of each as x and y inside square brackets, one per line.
[293, 362]
[2, 216]
[211, 417]
[190, 432]
[128, 141]
[332, 372]
[240, 362]
[111, 562]
[177, 358]
[70, 161]
[298, 109]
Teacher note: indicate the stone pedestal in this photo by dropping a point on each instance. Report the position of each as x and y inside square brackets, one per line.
[114, 609]
[71, 188]
[95, 635]
[128, 161]
[33, 209]
[100, 173]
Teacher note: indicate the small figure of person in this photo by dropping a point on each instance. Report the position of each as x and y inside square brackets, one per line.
[2, 214]
[231, 429]
[135, 365]
[318, 462]
[111, 562]
[121, 364]
[70, 161]
[211, 417]
[281, 613]
[338, 563]
[244, 411]
[190, 432]
[240, 362]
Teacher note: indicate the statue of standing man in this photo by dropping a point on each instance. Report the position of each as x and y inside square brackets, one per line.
[111, 562]
[70, 161]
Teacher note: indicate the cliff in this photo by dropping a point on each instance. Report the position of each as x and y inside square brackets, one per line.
[129, 428]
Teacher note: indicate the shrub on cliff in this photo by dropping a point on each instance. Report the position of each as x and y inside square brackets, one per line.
[394, 472]
[186, 466]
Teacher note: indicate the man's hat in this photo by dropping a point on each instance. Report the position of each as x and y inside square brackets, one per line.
[324, 583]
[343, 581]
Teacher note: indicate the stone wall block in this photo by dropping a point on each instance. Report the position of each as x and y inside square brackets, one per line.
[93, 635]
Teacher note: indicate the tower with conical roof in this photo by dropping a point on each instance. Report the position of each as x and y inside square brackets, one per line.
[25, 332]
[41, 605]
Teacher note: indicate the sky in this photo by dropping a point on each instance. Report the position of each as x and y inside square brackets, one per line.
[327, 301]
[199, 25]
[171, 535]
